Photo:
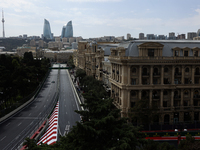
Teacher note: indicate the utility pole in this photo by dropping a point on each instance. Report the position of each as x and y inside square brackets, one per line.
[3, 24]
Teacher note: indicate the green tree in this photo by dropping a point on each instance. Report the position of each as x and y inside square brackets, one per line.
[101, 128]
[143, 113]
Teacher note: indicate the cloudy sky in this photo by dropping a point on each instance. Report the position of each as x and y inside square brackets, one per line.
[96, 18]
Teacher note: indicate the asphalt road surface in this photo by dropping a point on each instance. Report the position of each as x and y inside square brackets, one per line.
[11, 130]
[68, 103]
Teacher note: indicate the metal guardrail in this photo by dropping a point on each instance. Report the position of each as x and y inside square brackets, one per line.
[32, 128]
[22, 101]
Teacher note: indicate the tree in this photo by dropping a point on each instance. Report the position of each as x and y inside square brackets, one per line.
[80, 73]
[101, 128]
[143, 113]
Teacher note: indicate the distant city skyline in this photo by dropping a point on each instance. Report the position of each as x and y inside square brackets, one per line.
[98, 18]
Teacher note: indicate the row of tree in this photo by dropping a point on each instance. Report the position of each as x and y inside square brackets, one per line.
[19, 77]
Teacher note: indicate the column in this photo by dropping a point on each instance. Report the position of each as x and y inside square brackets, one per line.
[172, 82]
[191, 97]
[140, 94]
[193, 72]
[172, 98]
[183, 71]
[161, 98]
[162, 74]
[129, 99]
[111, 70]
[151, 74]
[124, 74]
[129, 75]
[150, 97]
[140, 75]
[181, 97]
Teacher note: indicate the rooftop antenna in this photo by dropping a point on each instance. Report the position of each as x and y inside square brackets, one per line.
[3, 24]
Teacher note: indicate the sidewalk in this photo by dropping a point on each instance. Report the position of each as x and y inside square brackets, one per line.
[76, 85]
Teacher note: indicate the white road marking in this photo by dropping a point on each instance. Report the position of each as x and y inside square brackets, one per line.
[35, 106]
[8, 124]
[19, 124]
[67, 127]
[65, 105]
[68, 122]
[29, 114]
[66, 113]
[3, 138]
[44, 105]
[31, 123]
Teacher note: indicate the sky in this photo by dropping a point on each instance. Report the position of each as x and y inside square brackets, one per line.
[98, 18]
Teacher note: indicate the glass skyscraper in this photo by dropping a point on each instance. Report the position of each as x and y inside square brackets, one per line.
[67, 31]
[47, 30]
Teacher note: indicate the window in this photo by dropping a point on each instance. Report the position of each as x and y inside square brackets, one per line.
[187, 70]
[164, 103]
[155, 81]
[186, 81]
[144, 71]
[196, 54]
[185, 103]
[166, 81]
[166, 69]
[132, 104]
[151, 52]
[133, 93]
[133, 70]
[176, 53]
[196, 80]
[144, 81]
[133, 81]
[185, 53]
[186, 92]
[155, 71]
[165, 92]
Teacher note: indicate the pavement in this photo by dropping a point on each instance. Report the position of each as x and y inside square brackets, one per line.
[76, 84]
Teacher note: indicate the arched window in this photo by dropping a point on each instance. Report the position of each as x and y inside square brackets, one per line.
[166, 69]
[176, 70]
[186, 92]
[197, 71]
[187, 69]
[133, 93]
[155, 71]
[144, 71]
[133, 70]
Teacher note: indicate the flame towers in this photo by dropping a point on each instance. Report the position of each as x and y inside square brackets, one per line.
[47, 30]
[67, 30]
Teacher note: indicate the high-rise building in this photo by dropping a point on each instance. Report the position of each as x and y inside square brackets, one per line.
[47, 30]
[128, 36]
[198, 32]
[191, 35]
[181, 37]
[172, 36]
[63, 31]
[67, 30]
[141, 36]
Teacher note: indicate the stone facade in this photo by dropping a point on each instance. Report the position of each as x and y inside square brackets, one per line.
[171, 83]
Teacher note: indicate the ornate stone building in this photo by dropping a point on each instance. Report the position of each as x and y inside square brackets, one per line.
[167, 73]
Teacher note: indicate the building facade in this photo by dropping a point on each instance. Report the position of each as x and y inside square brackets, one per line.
[166, 73]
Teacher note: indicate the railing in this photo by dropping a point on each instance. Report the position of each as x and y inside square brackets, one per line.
[32, 128]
